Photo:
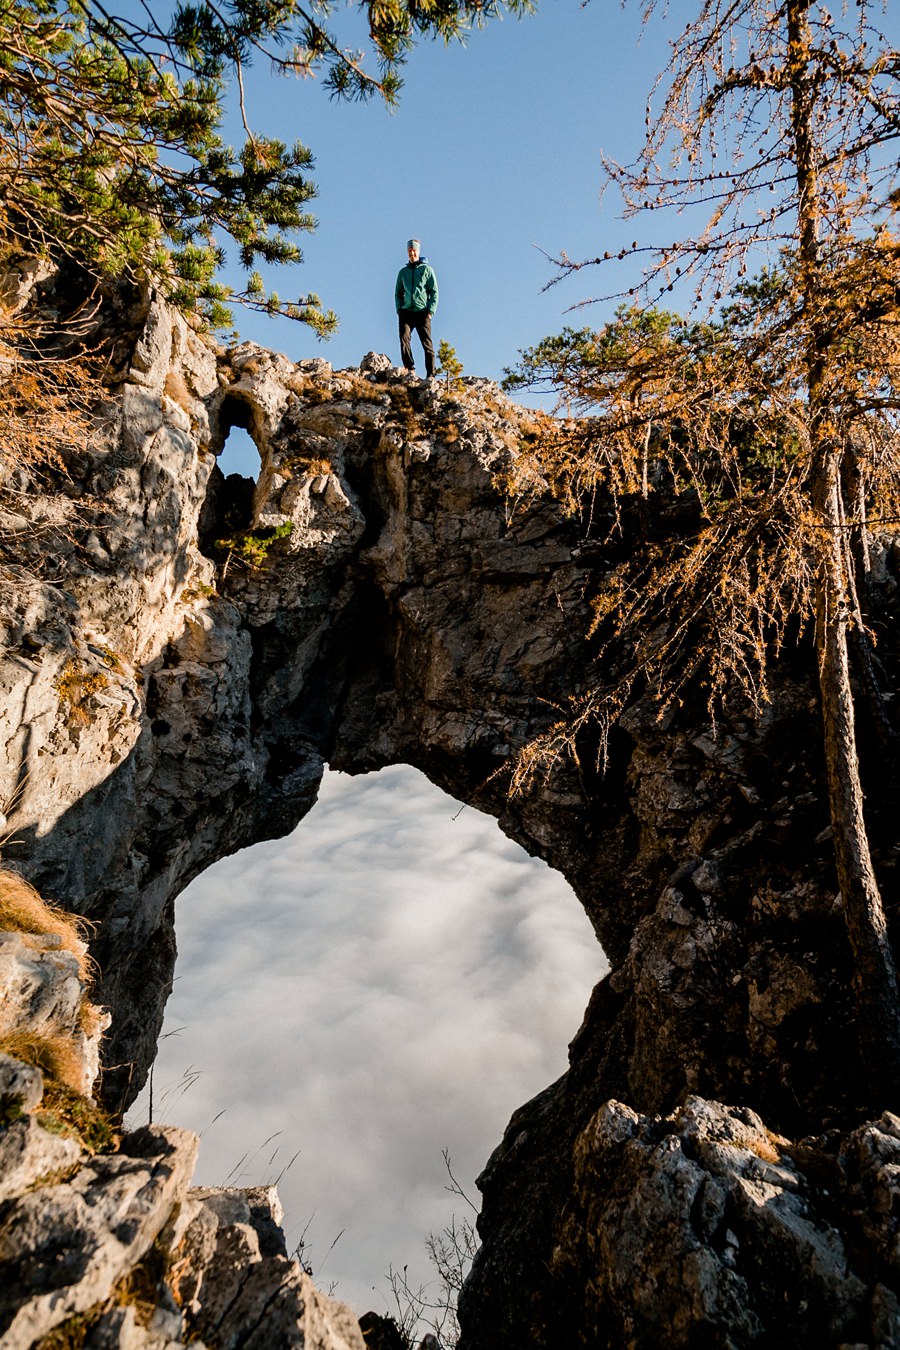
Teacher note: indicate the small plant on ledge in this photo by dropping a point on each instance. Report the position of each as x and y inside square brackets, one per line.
[251, 547]
[450, 366]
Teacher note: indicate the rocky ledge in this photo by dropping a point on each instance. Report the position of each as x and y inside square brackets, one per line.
[103, 1241]
[199, 646]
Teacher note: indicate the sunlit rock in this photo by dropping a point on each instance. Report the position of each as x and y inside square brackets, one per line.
[204, 644]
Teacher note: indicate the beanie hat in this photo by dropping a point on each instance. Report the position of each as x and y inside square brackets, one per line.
[414, 243]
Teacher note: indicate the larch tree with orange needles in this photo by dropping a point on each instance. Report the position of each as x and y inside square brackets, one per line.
[774, 134]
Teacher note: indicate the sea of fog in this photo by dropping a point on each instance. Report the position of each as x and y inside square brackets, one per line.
[389, 982]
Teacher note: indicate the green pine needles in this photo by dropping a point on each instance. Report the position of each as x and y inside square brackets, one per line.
[110, 154]
[449, 365]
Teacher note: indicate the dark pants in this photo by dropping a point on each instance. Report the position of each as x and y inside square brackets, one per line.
[418, 321]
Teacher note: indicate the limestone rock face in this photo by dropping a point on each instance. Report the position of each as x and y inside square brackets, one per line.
[29, 1153]
[67, 1246]
[238, 1287]
[706, 1228]
[205, 643]
[123, 1253]
[116, 1250]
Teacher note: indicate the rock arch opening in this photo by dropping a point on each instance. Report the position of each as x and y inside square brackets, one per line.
[228, 507]
[239, 454]
[391, 980]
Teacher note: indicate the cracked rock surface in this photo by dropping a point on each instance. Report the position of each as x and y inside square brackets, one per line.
[205, 644]
[704, 1227]
[115, 1250]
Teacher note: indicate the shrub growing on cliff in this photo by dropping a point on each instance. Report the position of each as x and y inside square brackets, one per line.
[426, 1307]
[46, 408]
[782, 420]
[449, 365]
[252, 547]
[77, 686]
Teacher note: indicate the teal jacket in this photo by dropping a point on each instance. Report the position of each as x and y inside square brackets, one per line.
[417, 287]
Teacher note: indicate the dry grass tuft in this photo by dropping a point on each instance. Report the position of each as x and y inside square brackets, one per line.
[402, 404]
[177, 390]
[77, 686]
[24, 911]
[65, 1111]
[307, 388]
[359, 388]
[55, 1053]
[303, 467]
[72, 1334]
[91, 1018]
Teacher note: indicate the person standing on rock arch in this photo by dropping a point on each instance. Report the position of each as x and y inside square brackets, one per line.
[416, 297]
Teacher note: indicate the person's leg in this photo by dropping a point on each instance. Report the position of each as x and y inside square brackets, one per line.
[423, 328]
[406, 355]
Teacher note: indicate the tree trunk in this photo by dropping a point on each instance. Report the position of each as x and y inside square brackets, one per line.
[858, 579]
[874, 971]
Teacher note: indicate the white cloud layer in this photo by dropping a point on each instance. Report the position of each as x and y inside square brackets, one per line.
[393, 979]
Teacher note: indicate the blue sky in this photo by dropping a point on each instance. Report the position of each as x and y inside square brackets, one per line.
[491, 157]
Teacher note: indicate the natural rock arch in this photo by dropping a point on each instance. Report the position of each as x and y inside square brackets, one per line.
[405, 613]
[228, 505]
[380, 630]
[160, 713]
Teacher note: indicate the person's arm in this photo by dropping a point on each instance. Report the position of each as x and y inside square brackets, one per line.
[398, 291]
[431, 287]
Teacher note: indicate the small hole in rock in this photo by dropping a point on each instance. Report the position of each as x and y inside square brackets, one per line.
[239, 454]
[228, 508]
